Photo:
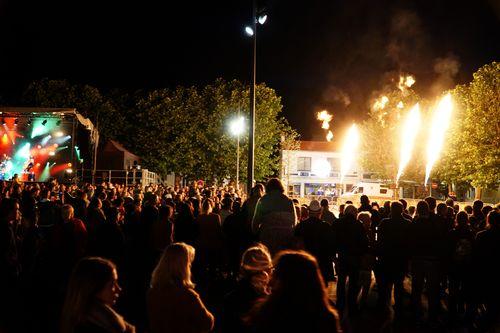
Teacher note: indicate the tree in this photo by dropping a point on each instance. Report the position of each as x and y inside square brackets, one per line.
[86, 99]
[472, 155]
[380, 144]
[185, 130]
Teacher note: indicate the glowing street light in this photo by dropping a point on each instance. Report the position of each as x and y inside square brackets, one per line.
[262, 19]
[236, 127]
[249, 31]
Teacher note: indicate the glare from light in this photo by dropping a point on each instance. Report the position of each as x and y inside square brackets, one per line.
[262, 19]
[58, 134]
[51, 153]
[45, 140]
[440, 123]
[321, 168]
[69, 170]
[237, 126]
[249, 31]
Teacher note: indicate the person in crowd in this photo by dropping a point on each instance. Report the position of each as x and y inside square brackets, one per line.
[237, 236]
[477, 218]
[173, 304]
[429, 239]
[69, 240]
[468, 209]
[461, 242]
[368, 259]
[184, 225]
[162, 232]
[110, 240]
[393, 252]
[341, 210]
[326, 214]
[249, 206]
[316, 237]
[411, 211]
[93, 289]
[209, 241]
[444, 217]
[485, 258]
[432, 203]
[351, 243]
[252, 285]
[298, 301]
[9, 260]
[274, 218]
[304, 213]
[385, 210]
[406, 213]
[226, 209]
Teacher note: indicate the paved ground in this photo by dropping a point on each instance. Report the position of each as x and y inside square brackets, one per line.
[372, 319]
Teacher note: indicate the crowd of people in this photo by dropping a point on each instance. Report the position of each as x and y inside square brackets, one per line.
[112, 258]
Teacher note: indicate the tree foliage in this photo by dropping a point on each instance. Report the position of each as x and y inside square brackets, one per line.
[183, 130]
[472, 154]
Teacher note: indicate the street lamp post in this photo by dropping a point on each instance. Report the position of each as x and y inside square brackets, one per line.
[252, 31]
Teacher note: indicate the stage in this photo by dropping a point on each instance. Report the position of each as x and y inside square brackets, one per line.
[38, 144]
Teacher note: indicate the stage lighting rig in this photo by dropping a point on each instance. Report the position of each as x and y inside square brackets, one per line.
[44, 122]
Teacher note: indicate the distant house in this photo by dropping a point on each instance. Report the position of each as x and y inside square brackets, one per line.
[315, 168]
[113, 156]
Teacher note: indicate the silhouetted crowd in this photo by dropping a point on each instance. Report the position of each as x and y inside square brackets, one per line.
[114, 258]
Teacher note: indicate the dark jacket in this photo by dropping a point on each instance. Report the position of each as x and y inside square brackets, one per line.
[317, 239]
[237, 305]
[428, 238]
[392, 245]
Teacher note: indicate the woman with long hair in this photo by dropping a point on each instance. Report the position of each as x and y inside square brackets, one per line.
[92, 291]
[173, 304]
[255, 270]
[298, 301]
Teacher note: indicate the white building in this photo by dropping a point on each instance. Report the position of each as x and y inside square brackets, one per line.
[314, 169]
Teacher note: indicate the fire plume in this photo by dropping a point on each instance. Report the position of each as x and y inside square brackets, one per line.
[408, 136]
[325, 117]
[440, 123]
[349, 151]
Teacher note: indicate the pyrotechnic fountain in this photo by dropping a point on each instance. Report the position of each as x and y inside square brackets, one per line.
[349, 151]
[408, 135]
[440, 123]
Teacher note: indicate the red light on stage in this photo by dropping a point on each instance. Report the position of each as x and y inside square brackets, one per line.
[5, 139]
[38, 164]
[39, 146]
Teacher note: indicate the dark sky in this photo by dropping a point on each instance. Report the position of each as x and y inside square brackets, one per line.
[316, 54]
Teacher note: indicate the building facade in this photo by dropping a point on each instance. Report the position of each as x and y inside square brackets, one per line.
[314, 169]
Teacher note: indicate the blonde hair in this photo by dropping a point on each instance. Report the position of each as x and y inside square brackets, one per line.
[174, 267]
[67, 212]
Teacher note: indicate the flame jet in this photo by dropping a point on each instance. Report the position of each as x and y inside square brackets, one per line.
[408, 136]
[440, 123]
[325, 117]
[349, 150]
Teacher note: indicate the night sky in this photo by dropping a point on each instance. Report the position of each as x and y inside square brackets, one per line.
[316, 54]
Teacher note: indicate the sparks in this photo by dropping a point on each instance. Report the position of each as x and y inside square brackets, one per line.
[400, 105]
[349, 149]
[408, 136]
[380, 103]
[440, 123]
[406, 82]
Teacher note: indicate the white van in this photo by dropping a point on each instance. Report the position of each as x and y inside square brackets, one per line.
[372, 190]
